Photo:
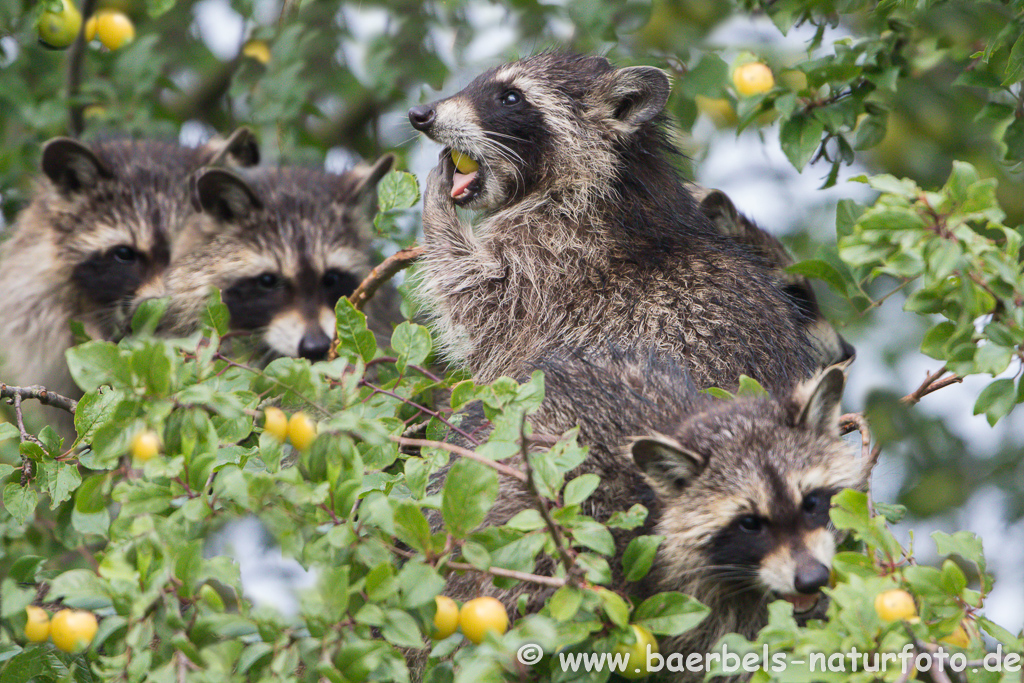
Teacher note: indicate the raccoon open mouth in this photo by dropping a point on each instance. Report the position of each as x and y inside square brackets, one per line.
[802, 603]
[466, 177]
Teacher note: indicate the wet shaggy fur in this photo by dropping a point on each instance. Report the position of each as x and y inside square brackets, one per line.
[588, 233]
[829, 347]
[282, 245]
[740, 490]
[97, 232]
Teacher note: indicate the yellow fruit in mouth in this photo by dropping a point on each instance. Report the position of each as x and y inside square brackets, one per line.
[301, 431]
[753, 79]
[37, 628]
[480, 615]
[896, 604]
[59, 29]
[446, 618]
[73, 630]
[463, 164]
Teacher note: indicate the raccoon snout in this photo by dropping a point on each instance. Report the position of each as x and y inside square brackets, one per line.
[314, 345]
[422, 117]
[810, 576]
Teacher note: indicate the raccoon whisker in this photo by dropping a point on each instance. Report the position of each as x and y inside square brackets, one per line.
[506, 136]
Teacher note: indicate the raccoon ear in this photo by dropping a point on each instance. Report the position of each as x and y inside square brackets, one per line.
[717, 206]
[669, 466]
[71, 165]
[223, 195]
[637, 94]
[817, 401]
[240, 149]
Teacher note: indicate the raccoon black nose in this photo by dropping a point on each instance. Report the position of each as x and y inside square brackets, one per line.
[811, 576]
[314, 345]
[421, 116]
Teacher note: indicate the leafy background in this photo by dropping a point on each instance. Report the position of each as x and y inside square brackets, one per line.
[900, 88]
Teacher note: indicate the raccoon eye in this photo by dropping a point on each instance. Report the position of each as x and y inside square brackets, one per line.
[815, 502]
[751, 524]
[511, 98]
[125, 254]
[267, 281]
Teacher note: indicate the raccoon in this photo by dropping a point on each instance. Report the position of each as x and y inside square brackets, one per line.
[829, 347]
[588, 233]
[97, 232]
[282, 245]
[739, 489]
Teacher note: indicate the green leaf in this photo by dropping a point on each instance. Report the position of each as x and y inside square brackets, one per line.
[470, 490]
[216, 315]
[996, 400]
[750, 387]
[20, 501]
[353, 336]
[411, 526]
[800, 137]
[91, 363]
[419, 584]
[639, 556]
[614, 606]
[397, 190]
[670, 614]
[413, 344]
[821, 270]
[565, 603]
[62, 478]
[580, 488]
[1015, 64]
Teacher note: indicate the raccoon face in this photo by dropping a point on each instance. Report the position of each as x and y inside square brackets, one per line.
[548, 120]
[282, 247]
[745, 492]
[115, 208]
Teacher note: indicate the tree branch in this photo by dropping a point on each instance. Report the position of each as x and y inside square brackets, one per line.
[398, 261]
[76, 57]
[464, 452]
[41, 394]
[553, 581]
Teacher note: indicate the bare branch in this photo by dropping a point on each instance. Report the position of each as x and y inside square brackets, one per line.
[463, 452]
[930, 384]
[41, 394]
[398, 261]
[553, 581]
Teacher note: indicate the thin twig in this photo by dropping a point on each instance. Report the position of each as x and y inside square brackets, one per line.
[929, 385]
[41, 394]
[493, 571]
[556, 534]
[422, 409]
[464, 452]
[398, 261]
[76, 57]
[25, 436]
[859, 423]
[509, 574]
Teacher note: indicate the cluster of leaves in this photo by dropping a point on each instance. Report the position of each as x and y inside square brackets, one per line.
[856, 638]
[953, 247]
[354, 508]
